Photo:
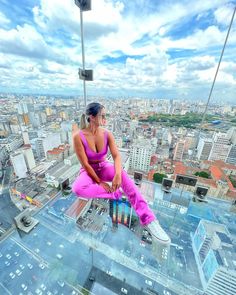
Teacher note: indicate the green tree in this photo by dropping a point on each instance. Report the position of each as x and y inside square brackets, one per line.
[202, 174]
[157, 177]
[233, 181]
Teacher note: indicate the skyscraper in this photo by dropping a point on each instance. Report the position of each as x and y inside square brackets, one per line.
[179, 150]
[215, 257]
[19, 164]
[204, 148]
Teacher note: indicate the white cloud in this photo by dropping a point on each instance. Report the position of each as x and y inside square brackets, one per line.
[224, 14]
[27, 42]
[59, 14]
[201, 39]
[48, 52]
[3, 19]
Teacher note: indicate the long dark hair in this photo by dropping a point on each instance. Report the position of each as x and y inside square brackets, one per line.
[93, 109]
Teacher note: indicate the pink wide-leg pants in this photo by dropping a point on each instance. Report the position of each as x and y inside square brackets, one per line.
[84, 186]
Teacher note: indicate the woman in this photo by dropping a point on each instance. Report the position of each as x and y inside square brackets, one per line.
[91, 145]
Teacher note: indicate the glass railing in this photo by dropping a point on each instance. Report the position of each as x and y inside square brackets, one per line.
[73, 254]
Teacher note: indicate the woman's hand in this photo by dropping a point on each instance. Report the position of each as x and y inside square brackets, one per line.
[116, 182]
[106, 186]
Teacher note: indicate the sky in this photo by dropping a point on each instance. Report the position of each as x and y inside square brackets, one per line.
[139, 48]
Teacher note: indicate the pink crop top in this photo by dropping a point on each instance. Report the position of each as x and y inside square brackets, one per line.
[92, 155]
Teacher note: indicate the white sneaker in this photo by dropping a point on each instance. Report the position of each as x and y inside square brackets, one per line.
[157, 233]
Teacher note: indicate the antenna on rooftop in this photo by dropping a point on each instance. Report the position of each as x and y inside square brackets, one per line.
[85, 75]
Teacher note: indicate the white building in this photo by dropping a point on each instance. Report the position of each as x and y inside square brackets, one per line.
[179, 150]
[19, 165]
[220, 148]
[15, 128]
[29, 157]
[23, 108]
[204, 148]
[46, 143]
[219, 152]
[25, 136]
[140, 156]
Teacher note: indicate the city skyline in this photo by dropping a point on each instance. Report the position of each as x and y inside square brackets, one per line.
[188, 180]
[40, 49]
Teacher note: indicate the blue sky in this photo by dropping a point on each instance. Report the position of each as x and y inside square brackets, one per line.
[140, 48]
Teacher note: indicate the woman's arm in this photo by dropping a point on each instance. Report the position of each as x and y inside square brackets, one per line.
[79, 150]
[116, 183]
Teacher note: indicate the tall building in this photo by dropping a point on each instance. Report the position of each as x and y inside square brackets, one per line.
[26, 120]
[179, 150]
[231, 157]
[5, 125]
[29, 156]
[140, 156]
[219, 152]
[220, 148]
[232, 135]
[25, 136]
[215, 257]
[191, 142]
[3, 154]
[204, 148]
[23, 108]
[19, 165]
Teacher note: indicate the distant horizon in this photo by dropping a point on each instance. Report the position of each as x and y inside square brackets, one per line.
[144, 48]
[64, 95]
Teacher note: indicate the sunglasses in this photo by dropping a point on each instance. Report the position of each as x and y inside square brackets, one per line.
[103, 116]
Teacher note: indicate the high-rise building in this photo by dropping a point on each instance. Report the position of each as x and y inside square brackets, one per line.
[140, 156]
[29, 157]
[179, 150]
[22, 108]
[220, 148]
[204, 148]
[219, 152]
[25, 136]
[215, 257]
[19, 165]
[231, 157]
[232, 135]
[5, 125]
[3, 154]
